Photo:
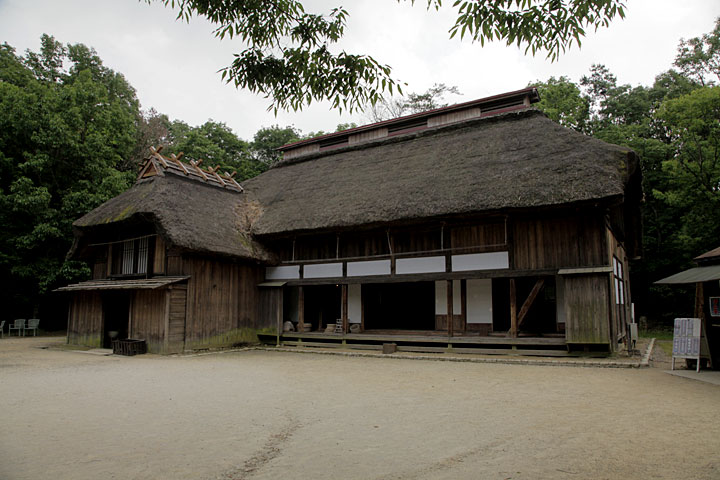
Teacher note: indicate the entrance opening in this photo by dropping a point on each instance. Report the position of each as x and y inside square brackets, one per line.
[399, 306]
[322, 305]
[116, 312]
[541, 318]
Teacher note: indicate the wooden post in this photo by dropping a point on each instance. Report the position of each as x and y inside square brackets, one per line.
[463, 304]
[301, 309]
[344, 308]
[362, 310]
[513, 310]
[450, 326]
[279, 314]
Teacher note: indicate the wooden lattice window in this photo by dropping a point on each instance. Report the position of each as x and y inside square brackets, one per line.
[131, 257]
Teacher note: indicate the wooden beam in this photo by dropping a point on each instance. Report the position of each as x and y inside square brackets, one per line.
[450, 326]
[513, 310]
[301, 309]
[344, 307]
[529, 301]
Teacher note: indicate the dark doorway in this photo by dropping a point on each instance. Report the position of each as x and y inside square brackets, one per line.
[116, 311]
[541, 318]
[322, 305]
[399, 306]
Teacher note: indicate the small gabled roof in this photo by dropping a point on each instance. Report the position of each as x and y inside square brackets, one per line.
[208, 215]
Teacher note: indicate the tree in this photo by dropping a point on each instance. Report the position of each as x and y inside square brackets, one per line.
[289, 55]
[699, 58]
[394, 107]
[67, 124]
[268, 139]
[563, 102]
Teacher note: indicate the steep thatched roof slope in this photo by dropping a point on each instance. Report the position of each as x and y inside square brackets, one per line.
[188, 213]
[515, 160]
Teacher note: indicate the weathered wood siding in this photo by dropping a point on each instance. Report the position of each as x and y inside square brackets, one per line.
[176, 319]
[85, 319]
[621, 313]
[222, 302]
[587, 315]
[159, 256]
[147, 318]
[575, 241]
[483, 235]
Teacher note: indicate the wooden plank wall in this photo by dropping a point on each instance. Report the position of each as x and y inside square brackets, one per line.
[480, 235]
[147, 320]
[159, 256]
[222, 299]
[587, 315]
[617, 249]
[270, 306]
[176, 319]
[576, 241]
[85, 319]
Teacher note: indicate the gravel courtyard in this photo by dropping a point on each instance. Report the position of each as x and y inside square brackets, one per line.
[269, 415]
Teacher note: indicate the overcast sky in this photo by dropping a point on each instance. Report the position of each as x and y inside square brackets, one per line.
[173, 65]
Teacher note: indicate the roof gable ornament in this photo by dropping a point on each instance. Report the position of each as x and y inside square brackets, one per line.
[158, 164]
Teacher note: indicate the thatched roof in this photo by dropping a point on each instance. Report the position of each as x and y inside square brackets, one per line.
[189, 212]
[510, 161]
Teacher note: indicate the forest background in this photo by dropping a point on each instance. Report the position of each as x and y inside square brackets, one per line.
[72, 134]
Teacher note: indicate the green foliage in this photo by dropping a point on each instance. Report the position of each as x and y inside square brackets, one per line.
[268, 139]
[289, 58]
[216, 145]
[67, 124]
[563, 102]
[699, 58]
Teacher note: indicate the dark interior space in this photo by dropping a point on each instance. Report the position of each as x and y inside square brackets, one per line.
[116, 309]
[322, 305]
[399, 306]
[541, 318]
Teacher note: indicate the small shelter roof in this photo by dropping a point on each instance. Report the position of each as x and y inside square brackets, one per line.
[694, 275]
[515, 160]
[133, 284]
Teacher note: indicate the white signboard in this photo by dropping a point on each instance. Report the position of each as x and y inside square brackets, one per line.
[687, 340]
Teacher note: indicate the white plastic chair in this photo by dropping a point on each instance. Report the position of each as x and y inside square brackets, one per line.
[19, 325]
[33, 324]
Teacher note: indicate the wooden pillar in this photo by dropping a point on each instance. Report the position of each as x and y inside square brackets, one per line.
[463, 304]
[344, 307]
[513, 310]
[700, 301]
[450, 326]
[301, 309]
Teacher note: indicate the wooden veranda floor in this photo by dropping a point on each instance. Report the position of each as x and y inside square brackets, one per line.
[426, 341]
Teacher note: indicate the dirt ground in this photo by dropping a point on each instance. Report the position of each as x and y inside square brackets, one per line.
[269, 415]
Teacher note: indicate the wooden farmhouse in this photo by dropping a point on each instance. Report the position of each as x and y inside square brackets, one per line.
[482, 225]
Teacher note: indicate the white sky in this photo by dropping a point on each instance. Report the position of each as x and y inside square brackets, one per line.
[173, 65]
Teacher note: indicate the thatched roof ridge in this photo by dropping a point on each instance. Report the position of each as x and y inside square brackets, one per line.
[188, 213]
[510, 161]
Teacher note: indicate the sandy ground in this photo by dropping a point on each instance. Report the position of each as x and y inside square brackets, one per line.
[270, 415]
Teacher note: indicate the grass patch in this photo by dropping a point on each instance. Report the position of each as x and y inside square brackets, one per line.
[659, 333]
[665, 345]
